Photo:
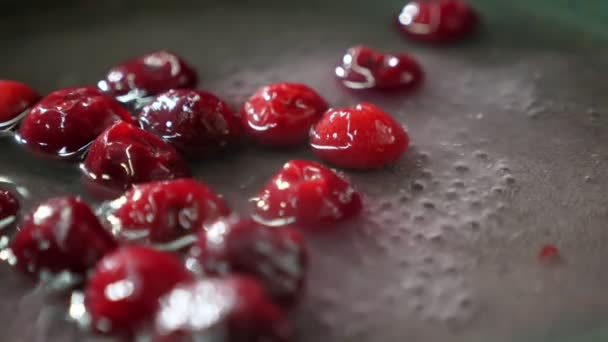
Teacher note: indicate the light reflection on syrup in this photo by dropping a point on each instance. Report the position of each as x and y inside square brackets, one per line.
[7, 127]
[62, 153]
[77, 310]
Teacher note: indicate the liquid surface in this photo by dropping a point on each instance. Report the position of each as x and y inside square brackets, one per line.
[509, 135]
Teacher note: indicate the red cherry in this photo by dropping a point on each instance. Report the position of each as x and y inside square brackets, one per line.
[147, 75]
[164, 211]
[194, 121]
[15, 97]
[306, 192]
[364, 68]
[67, 120]
[358, 137]
[124, 290]
[281, 114]
[231, 309]
[275, 256]
[9, 207]
[60, 234]
[437, 21]
[124, 155]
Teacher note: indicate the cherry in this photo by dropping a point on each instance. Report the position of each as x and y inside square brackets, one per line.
[194, 121]
[364, 68]
[15, 97]
[124, 155]
[9, 208]
[124, 290]
[358, 137]
[147, 75]
[437, 21]
[308, 193]
[67, 120]
[164, 211]
[275, 256]
[281, 114]
[230, 309]
[61, 234]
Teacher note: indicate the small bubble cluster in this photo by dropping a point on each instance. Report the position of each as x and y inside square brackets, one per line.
[457, 194]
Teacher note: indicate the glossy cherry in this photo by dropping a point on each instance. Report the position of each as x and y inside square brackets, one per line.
[67, 120]
[124, 290]
[161, 212]
[124, 155]
[15, 97]
[230, 309]
[148, 75]
[358, 137]
[281, 114]
[365, 68]
[437, 21]
[9, 208]
[194, 121]
[305, 192]
[275, 256]
[61, 234]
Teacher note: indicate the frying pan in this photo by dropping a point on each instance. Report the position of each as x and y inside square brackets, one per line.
[510, 135]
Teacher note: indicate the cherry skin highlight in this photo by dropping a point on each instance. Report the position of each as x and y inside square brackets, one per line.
[229, 309]
[61, 234]
[308, 193]
[161, 212]
[124, 155]
[358, 137]
[124, 290]
[275, 256]
[148, 75]
[67, 120]
[281, 114]
[437, 21]
[194, 121]
[364, 68]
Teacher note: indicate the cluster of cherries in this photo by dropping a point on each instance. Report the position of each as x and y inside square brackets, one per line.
[168, 255]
